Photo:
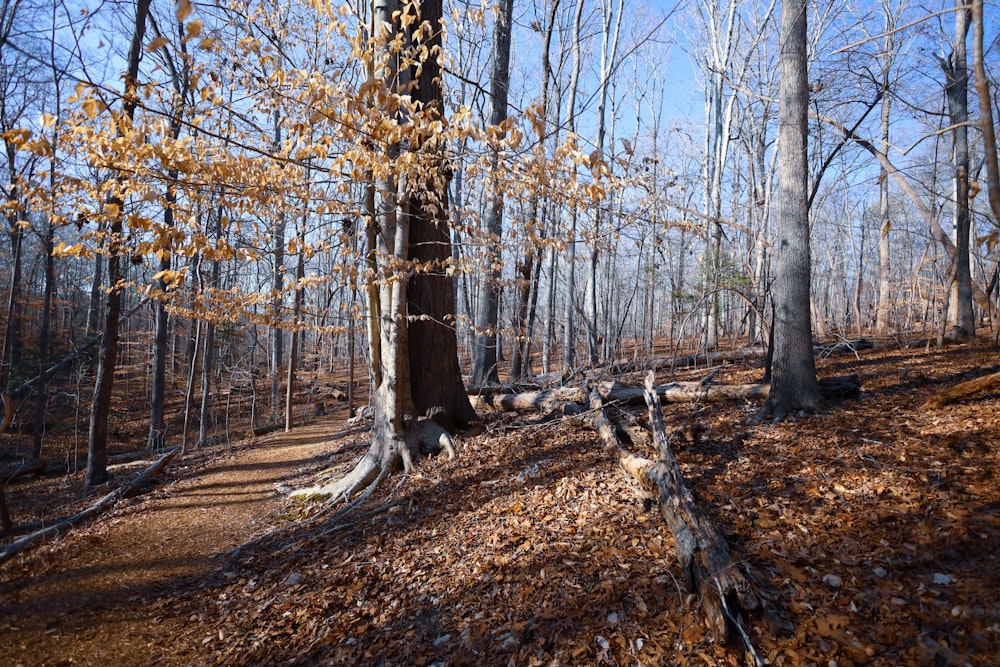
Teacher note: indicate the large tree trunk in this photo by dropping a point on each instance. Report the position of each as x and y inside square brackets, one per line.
[433, 355]
[416, 370]
[793, 371]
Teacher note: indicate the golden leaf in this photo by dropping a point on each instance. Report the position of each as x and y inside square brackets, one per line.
[183, 9]
[193, 31]
[92, 107]
[157, 43]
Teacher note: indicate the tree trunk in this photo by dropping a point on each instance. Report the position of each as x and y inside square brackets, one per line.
[12, 329]
[418, 346]
[985, 111]
[433, 355]
[793, 371]
[832, 388]
[957, 95]
[158, 391]
[8, 415]
[41, 397]
[207, 368]
[963, 390]
[883, 308]
[97, 447]
[293, 352]
[48, 237]
[484, 361]
[569, 317]
[194, 359]
[181, 82]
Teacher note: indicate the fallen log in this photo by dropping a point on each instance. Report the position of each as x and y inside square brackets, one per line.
[125, 490]
[674, 392]
[963, 390]
[24, 469]
[833, 388]
[726, 589]
[673, 361]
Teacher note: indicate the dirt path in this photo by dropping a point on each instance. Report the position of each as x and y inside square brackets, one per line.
[101, 596]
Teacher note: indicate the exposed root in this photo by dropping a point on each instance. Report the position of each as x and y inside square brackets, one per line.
[365, 471]
[421, 437]
[426, 436]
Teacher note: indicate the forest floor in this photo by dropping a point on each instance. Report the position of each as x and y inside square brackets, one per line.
[877, 522]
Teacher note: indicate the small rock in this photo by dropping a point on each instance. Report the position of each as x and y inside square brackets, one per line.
[943, 579]
[293, 579]
[603, 643]
[833, 581]
[612, 618]
[880, 572]
[441, 640]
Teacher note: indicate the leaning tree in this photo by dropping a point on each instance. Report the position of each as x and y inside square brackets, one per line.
[419, 391]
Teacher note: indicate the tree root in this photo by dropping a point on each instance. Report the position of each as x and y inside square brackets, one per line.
[421, 437]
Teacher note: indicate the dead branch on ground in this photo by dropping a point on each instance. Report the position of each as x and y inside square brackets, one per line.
[126, 490]
[964, 390]
[727, 589]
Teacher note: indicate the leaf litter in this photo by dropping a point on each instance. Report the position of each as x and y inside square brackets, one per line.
[878, 523]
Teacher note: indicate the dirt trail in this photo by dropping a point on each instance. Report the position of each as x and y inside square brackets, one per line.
[100, 596]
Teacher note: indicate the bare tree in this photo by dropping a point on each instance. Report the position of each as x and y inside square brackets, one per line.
[793, 377]
[484, 357]
[955, 68]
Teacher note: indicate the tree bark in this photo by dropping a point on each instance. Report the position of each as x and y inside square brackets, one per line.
[208, 364]
[435, 374]
[569, 314]
[417, 362]
[44, 343]
[883, 309]
[793, 371]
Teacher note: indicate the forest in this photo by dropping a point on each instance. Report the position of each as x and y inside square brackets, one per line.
[495, 332]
